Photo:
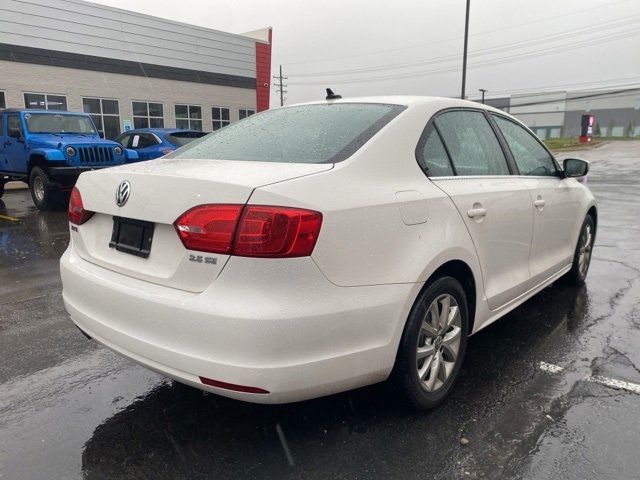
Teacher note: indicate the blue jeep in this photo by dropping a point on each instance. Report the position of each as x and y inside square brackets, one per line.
[48, 149]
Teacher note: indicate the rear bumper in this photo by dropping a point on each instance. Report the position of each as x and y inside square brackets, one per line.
[281, 327]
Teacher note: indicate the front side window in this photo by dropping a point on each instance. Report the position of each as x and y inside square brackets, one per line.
[319, 133]
[124, 139]
[220, 116]
[105, 114]
[432, 156]
[189, 117]
[471, 143]
[59, 124]
[13, 126]
[245, 112]
[45, 101]
[530, 157]
[148, 115]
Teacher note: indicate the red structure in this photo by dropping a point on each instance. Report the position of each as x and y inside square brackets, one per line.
[586, 128]
[263, 73]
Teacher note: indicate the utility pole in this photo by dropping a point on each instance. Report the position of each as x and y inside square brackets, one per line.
[483, 90]
[464, 57]
[281, 86]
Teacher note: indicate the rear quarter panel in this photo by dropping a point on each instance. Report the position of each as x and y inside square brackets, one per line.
[384, 221]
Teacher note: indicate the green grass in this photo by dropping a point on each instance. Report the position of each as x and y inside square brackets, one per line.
[567, 143]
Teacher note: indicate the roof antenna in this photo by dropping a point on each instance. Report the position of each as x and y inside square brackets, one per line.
[331, 95]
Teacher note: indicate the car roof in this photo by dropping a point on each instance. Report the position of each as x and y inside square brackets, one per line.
[158, 130]
[407, 100]
[41, 110]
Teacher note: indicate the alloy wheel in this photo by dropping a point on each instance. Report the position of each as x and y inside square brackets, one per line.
[438, 342]
[586, 245]
[38, 188]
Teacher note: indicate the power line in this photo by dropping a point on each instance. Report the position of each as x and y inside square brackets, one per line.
[495, 61]
[439, 42]
[484, 51]
[599, 85]
[582, 97]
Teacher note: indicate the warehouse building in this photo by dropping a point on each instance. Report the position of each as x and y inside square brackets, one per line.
[129, 70]
[558, 114]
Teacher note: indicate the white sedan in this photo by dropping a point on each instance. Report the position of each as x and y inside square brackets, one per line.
[321, 247]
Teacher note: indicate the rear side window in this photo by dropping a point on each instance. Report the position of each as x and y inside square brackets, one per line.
[320, 133]
[433, 157]
[471, 143]
[530, 157]
[179, 139]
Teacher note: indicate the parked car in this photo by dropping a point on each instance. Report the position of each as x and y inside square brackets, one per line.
[317, 248]
[152, 143]
[48, 149]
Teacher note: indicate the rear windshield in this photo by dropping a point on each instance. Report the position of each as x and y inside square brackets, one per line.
[320, 133]
[182, 138]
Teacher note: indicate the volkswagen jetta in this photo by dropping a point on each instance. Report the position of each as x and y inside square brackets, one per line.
[321, 247]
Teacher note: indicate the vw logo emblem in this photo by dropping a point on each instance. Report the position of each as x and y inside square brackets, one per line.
[122, 193]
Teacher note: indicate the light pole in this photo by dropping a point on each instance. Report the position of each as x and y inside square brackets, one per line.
[464, 57]
[483, 90]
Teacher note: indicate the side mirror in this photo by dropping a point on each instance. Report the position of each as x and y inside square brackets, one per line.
[101, 134]
[574, 167]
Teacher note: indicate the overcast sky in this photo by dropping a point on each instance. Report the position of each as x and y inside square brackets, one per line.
[377, 47]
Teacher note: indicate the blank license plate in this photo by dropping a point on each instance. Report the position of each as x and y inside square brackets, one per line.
[132, 236]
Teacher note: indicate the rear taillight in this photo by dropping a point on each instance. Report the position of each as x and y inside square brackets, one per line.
[209, 228]
[250, 231]
[276, 232]
[76, 212]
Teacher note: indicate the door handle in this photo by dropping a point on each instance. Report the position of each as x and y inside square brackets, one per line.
[477, 212]
[6, 143]
[539, 203]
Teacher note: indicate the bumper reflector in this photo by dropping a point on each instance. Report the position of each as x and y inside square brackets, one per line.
[231, 386]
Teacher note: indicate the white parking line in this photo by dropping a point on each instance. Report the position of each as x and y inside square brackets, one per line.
[550, 367]
[617, 384]
[606, 381]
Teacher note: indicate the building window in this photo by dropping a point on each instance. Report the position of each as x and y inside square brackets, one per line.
[3, 103]
[105, 114]
[45, 101]
[148, 115]
[220, 117]
[189, 117]
[246, 112]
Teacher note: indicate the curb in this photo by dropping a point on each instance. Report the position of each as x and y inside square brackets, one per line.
[15, 186]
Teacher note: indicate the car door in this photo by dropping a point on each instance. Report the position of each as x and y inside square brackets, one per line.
[494, 205]
[147, 146]
[556, 215]
[4, 163]
[15, 147]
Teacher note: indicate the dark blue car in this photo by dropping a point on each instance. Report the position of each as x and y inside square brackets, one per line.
[152, 143]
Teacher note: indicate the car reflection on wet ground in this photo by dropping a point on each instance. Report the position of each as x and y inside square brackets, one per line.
[70, 408]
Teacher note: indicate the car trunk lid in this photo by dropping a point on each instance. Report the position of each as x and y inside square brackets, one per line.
[159, 192]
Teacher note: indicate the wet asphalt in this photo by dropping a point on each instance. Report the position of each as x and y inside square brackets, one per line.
[70, 408]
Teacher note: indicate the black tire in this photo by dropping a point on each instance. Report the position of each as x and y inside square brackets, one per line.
[578, 273]
[405, 375]
[44, 193]
[1, 187]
